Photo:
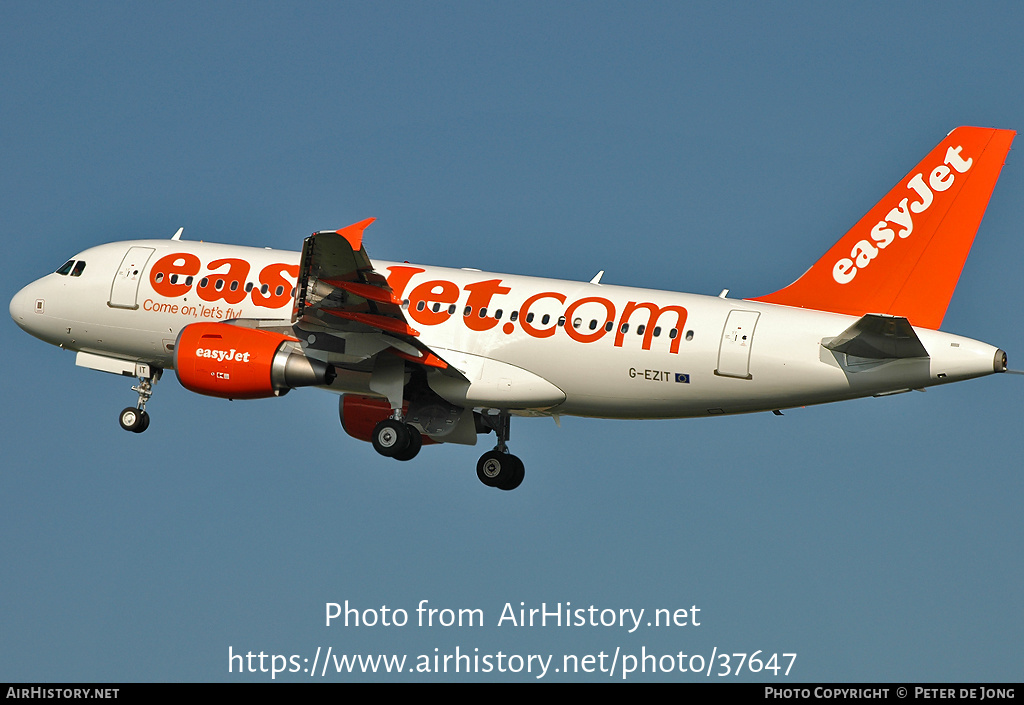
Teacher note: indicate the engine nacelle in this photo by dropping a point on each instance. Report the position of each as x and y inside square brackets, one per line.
[223, 360]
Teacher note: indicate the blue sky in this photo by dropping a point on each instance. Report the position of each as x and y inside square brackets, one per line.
[679, 146]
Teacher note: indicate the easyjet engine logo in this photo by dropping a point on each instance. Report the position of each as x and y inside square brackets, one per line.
[231, 355]
[899, 222]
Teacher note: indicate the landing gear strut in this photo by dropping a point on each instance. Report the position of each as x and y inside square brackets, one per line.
[135, 418]
[499, 468]
[393, 438]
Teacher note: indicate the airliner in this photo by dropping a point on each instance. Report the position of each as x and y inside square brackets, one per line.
[425, 355]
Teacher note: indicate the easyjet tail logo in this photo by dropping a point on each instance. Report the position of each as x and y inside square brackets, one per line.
[899, 222]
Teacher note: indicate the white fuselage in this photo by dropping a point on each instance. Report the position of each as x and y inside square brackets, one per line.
[612, 351]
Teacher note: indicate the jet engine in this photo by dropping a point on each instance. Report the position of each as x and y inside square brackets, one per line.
[232, 362]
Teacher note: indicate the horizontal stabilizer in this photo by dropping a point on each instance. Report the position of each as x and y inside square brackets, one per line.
[879, 337]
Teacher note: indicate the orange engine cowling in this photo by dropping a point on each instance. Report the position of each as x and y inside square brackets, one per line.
[361, 414]
[223, 360]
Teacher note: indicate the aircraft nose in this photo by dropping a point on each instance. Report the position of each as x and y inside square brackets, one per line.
[22, 307]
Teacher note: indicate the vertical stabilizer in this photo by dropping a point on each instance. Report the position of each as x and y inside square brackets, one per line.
[905, 256]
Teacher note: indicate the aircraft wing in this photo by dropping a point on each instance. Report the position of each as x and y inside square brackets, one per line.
[345, 309]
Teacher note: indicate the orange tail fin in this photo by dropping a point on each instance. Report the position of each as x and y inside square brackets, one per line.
[905, 256]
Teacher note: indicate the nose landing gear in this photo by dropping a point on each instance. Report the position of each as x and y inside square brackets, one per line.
[135, 418]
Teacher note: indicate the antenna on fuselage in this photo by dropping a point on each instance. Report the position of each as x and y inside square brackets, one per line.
[177, 235]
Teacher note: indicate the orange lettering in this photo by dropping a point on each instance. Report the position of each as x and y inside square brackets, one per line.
[654, 313]
[230, 286]
[480, 294]
[580, 336]
[524, 314]
[174, 267]
[400, 277]
[438, 291]
[274, 277]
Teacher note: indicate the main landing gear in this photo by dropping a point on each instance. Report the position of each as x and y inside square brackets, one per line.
[135, 418]
[499, 468]
[393, 438]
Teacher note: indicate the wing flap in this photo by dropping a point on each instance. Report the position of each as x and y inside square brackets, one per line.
[339, 293]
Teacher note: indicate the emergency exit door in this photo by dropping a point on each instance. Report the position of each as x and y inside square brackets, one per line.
[124, 291]
[737, 339]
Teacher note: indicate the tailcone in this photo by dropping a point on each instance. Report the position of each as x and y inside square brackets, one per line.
[999, 361]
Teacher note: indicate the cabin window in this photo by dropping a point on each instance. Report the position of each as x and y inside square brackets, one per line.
[609, 326]
[436, 308]
[514, 316]
[279, 290]
[420, 305]
[689, 335]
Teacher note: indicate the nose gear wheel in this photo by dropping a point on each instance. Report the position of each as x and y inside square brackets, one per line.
[135, 418]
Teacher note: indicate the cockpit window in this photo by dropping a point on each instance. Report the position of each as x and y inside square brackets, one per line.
[66, 267]
[79, 268]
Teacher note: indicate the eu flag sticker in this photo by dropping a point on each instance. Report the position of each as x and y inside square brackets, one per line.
[685, 379]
